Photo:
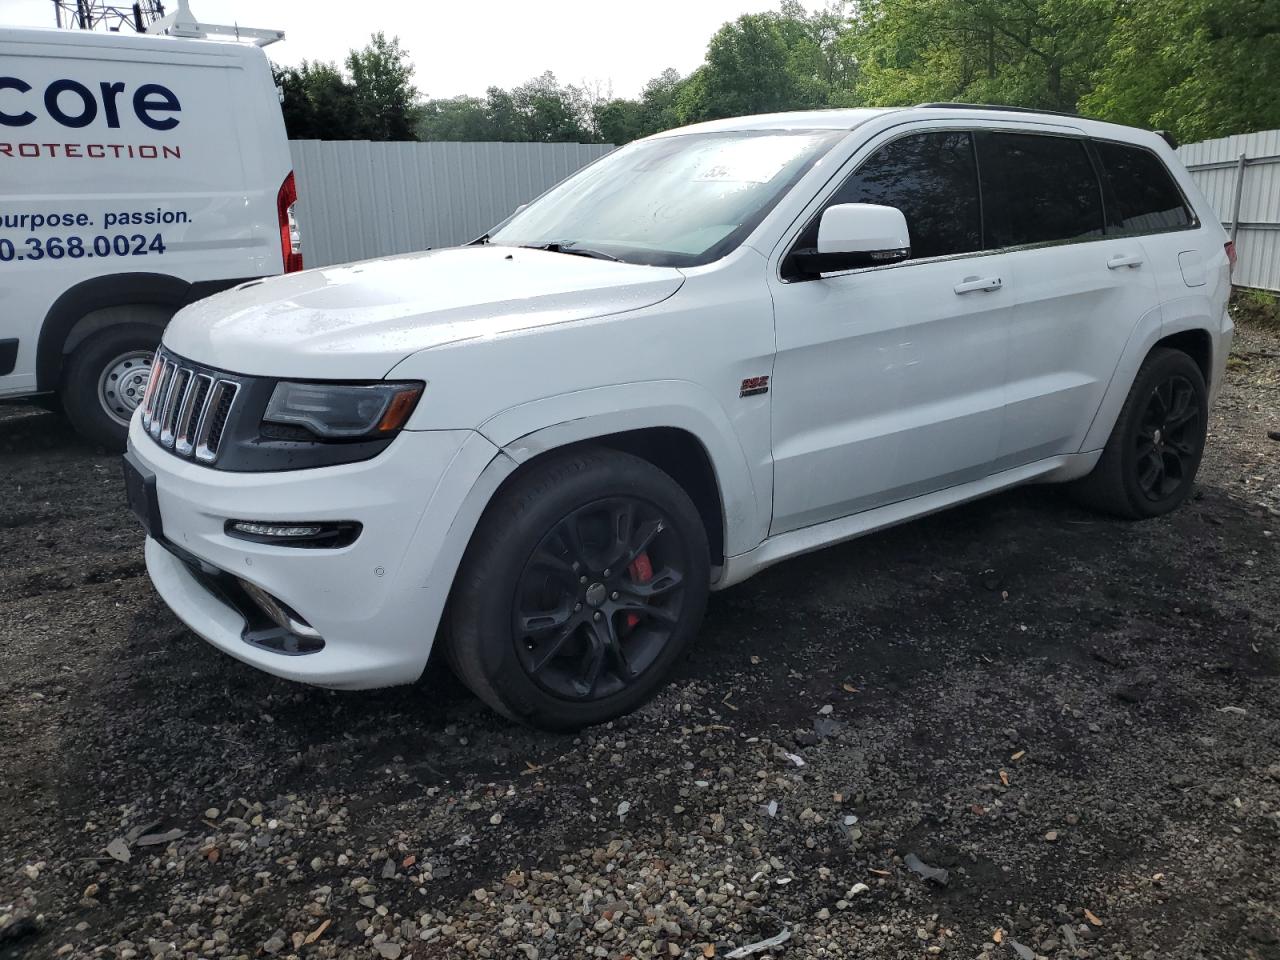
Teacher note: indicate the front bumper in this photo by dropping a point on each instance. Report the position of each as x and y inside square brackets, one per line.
[376, 603]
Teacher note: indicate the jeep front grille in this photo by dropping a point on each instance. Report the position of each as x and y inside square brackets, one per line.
[185, 408]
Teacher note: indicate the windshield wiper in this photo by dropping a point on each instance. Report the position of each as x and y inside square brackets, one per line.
[571, 247]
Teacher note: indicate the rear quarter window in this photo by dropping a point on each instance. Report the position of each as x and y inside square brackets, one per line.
[1143, 197]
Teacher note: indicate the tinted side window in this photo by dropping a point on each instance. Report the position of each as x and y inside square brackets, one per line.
[933, 180]
[1037, 189]
[1144, 197]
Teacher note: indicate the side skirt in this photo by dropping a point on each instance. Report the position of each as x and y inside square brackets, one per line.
[807, 539]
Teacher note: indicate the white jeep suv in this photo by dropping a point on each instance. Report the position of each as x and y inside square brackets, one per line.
[709, 351]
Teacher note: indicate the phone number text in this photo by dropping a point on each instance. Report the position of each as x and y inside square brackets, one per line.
[75, 248]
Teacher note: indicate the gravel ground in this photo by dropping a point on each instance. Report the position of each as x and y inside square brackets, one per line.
[1012, 730]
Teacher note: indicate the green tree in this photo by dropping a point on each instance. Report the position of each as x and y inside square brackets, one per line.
[549, 112]
[659, 101]
[458, 119]
[1198, 68]
[539, 111]
[382, 79]
[1035, 53]
[372, 100]
[765, 62]
[619, 121]
[318, 102]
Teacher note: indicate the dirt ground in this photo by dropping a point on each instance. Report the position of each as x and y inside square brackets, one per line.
[1077, 719]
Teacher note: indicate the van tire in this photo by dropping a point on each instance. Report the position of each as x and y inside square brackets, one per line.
[83, 373]
[1115, 485]
[593, 489]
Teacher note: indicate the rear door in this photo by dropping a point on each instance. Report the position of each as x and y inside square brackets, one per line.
[1143, 200]
[1080, 294]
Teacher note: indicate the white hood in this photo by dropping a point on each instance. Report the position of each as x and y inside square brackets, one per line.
[356, 322]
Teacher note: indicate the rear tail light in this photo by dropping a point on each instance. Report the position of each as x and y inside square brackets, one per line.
[290, 241]
[1231, 256]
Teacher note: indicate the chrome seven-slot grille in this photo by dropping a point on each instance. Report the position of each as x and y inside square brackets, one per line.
[185, 408]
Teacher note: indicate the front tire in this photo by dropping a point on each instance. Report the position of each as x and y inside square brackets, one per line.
[104, 379]
[583, 584]
[1149, 464]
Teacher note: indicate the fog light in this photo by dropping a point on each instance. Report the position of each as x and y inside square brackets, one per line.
[322, 533]
[274, 530]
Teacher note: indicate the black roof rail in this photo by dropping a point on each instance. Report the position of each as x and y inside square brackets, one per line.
[1164, 135]
[1009, 108]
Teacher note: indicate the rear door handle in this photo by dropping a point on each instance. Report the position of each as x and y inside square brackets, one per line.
[974, 284]
[1115, 263]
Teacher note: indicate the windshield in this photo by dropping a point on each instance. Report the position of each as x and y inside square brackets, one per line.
[675, 201]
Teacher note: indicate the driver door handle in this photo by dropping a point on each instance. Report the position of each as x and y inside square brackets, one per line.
[1115, 263]
[975, 284]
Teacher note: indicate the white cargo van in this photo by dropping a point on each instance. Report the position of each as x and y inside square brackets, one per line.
[137, 175]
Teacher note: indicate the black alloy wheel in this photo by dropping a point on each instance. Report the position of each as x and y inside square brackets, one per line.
[1148, 466]
[582, 586]
[1169, 438]
[599, 598]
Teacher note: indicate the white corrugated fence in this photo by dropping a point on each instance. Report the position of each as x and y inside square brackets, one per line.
[1241, 177]
[358, 199]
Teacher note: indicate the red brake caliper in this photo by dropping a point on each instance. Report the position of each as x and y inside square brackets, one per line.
[641, 571]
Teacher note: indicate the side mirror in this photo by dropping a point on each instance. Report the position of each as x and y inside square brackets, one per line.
[852, 235]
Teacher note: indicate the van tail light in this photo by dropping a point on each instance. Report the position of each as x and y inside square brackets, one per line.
[290, 241]
[1231, 256]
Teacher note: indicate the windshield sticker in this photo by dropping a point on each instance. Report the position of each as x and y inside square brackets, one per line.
[753, 160]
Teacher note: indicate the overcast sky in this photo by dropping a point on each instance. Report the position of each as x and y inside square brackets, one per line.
[464, 46]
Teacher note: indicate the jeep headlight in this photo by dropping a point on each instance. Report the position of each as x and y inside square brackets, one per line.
[343, 411]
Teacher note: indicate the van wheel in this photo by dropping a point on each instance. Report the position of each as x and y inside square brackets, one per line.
[583, 584]
[104, 380]
[1149, 464]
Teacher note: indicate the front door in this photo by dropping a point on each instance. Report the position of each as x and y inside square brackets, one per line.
[889, 381]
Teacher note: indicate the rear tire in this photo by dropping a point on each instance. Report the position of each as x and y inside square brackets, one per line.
[1149, 464]
[103, 381]
[585, 581]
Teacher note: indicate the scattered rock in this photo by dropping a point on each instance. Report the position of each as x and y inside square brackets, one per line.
[159, 839]
[759, 946]
[117, 849]
[937, 875]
